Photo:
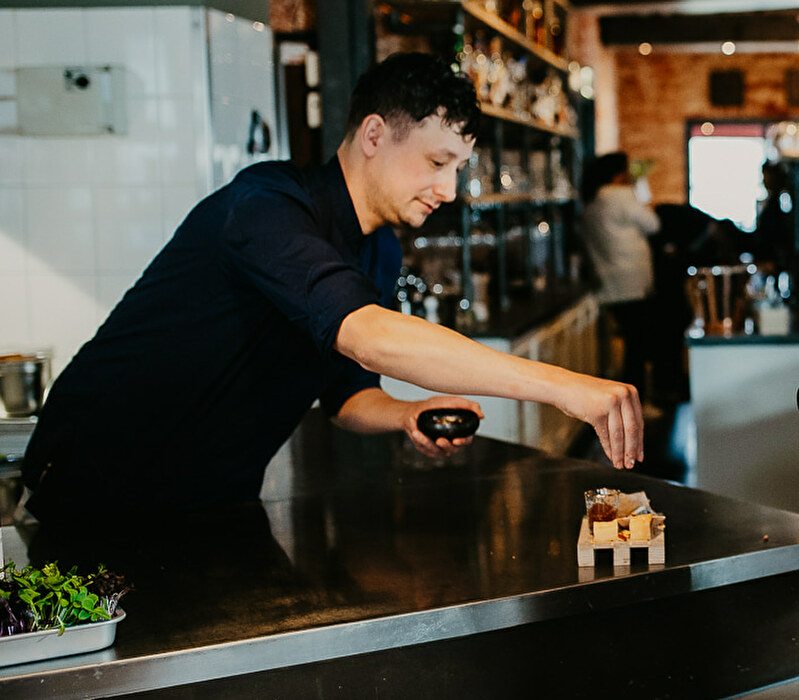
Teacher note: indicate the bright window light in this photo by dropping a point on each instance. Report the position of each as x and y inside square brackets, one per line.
[724, 177]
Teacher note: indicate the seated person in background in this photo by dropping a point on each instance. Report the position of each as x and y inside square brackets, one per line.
[774, 235]
[615, 227]
[681, 228]
[722, 243]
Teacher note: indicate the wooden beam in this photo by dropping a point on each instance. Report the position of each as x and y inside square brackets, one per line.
[680, 7]
[676, 29]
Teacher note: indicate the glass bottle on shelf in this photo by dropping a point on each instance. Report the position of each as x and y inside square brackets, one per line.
[519, 98]
[481, 66]
[561, 185]
[540, 256]
[498, 79]
[538, 174]
[487, 171]
[479, 178]
[401, 292]
[513, 14]
[544, 105]
[512, 178]
[558, 96]
[466, 57]
[465, 320]
[558, 36]
[480, 282]
[534, 25]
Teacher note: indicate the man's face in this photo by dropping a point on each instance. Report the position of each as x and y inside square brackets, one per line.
[411, 178]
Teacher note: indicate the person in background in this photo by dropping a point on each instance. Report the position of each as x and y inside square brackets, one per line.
[615, 228]
[265, 300]
[683, 228]
[774, 235]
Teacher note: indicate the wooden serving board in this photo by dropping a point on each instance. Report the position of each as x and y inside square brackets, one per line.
[656, 547]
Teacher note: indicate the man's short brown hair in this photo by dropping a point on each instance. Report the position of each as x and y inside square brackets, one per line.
[407, 87]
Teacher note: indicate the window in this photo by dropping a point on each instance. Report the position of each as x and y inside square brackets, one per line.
[724, 170]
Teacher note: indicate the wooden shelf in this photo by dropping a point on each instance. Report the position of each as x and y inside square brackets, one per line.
[500, 26]
[510, 116]
[439, 10]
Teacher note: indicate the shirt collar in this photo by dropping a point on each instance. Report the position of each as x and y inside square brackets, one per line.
[329, 191]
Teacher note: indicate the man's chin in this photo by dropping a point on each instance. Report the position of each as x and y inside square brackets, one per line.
[414, 220]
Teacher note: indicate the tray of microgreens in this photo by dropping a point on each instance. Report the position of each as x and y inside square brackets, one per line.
[46, 613]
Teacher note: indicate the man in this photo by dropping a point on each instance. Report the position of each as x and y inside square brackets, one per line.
[257, 306]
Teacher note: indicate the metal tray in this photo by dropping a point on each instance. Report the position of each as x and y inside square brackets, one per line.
[47, 644]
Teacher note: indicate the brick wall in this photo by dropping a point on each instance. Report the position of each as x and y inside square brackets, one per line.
[658, 93]
[286, 16]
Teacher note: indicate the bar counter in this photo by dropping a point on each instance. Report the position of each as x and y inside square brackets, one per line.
[370, 571]
[743, 339]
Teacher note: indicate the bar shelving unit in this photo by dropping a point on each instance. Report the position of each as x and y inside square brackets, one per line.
[503, 129]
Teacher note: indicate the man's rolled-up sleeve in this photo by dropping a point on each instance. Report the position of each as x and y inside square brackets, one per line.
[274, 243]
[350, 378]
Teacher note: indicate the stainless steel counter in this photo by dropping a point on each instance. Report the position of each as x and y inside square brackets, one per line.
[743, 339]
[364, 548]
[14, 435]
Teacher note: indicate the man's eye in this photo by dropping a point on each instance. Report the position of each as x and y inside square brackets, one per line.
[437, 163]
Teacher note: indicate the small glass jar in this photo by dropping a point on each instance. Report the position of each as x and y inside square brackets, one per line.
[601, 505]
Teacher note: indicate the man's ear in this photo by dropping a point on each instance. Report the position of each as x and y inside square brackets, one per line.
[372, 132]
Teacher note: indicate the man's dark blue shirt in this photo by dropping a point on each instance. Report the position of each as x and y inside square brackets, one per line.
[211, 359]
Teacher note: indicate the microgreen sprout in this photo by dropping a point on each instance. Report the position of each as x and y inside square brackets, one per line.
[34, 599]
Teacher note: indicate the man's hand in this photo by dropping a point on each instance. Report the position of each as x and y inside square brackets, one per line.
[441, 447]
[374, 411]
[613, 409]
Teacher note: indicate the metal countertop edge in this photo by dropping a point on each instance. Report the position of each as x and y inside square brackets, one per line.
[169, 669]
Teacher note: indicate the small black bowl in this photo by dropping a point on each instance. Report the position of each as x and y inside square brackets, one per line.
[448, 423]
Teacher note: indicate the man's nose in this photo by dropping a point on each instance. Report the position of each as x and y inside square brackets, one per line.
[447, 188]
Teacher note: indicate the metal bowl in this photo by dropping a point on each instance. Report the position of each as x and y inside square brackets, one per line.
[23, 379]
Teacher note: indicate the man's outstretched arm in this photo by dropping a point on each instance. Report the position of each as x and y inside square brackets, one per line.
[439, 359]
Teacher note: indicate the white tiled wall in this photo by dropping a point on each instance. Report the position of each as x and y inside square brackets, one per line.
[80, 217]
